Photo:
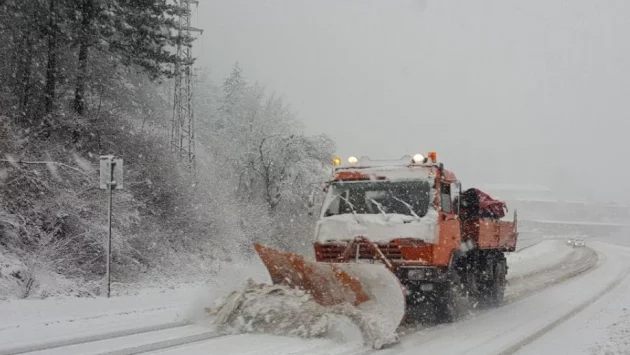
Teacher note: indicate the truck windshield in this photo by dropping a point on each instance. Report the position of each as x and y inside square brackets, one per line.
[374, 197]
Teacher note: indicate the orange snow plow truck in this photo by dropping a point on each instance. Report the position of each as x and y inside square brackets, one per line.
[402, 234]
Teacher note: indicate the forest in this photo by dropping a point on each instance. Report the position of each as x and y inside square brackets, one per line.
[85, 78]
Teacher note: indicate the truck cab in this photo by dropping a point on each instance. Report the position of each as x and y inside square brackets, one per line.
[401, 206]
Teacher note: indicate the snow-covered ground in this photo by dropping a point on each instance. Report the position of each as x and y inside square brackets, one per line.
[601, 325]
[541, 256]
[589, 314]
[29, 323]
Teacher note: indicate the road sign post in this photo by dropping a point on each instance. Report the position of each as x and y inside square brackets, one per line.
[111, 177]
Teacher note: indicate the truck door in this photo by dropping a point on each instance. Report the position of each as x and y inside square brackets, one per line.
[449, 227]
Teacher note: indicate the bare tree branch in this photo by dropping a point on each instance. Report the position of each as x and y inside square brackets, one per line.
[47, 162]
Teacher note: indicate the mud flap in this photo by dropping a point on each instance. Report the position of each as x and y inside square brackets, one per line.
[369, 287]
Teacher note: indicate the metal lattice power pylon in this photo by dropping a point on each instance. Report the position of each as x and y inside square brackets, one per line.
[183, 122]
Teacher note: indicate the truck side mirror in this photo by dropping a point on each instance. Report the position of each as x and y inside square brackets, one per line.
[456, 195]
[311, 199]
[311, 203]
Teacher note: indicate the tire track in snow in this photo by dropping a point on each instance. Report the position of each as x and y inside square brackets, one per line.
[586, 262]
[166, 344]
[580, 262]
[531, 338]
[275, 347]
[90, 338]
[96, 316]
[207, 337]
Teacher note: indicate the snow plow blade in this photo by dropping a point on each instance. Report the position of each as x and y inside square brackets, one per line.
[369, 287]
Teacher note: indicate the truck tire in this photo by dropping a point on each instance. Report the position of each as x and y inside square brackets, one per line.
[415, 314]
[490, 292]
[496, 289]
[446, 310]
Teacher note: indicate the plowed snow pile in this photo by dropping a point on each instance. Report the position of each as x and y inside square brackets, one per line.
[281, 310]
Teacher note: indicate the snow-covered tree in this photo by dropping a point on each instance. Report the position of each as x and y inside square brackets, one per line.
[233, 93]
[271, 164]
[136, 33]
[77, 80]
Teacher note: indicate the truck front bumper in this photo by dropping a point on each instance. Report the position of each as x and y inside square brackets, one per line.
[422, 282]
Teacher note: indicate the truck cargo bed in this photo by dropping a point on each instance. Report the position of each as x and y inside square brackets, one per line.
[500, 235]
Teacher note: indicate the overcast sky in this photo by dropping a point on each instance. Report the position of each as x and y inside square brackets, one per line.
[528, 92]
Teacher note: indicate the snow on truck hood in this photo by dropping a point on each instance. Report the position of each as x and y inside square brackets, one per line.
[377, 228]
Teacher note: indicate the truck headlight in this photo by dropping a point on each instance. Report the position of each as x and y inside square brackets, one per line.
[419, 274]
[415, 274]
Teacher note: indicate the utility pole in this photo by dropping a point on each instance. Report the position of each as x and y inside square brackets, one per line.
[183, 122]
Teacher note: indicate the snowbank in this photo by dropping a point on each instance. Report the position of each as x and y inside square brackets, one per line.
[10, 269]
[32, 278]
[30, 321]
[280, 310]
[541, 256]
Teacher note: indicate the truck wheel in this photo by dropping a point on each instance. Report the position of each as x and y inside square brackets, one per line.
[496, 289]
[490, 292]
[446, 305]
[415, 314]
[480, 297]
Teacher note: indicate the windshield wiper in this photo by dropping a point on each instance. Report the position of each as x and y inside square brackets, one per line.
[354, 213]
[380, 208]
[408, 206]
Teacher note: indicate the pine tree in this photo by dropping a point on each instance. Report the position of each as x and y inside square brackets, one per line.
[52, 31]
[51, 44]
[145, 31]
[19, 35]
[137, 33]
[234, 91]
[88, 10]
[57, 32]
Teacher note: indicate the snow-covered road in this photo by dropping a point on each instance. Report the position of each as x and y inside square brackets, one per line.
[545, 312]
[601, 324]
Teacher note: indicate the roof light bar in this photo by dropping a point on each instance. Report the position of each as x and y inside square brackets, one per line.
[365, 162]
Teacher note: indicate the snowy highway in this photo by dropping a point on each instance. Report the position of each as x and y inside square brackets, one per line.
[555, 292]
[323, 177]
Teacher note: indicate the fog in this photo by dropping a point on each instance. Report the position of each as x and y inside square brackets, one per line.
[527, 92]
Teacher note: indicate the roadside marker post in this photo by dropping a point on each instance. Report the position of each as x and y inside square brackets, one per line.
[111, 177]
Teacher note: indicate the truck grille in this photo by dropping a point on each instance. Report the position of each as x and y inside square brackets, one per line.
[332, 252]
